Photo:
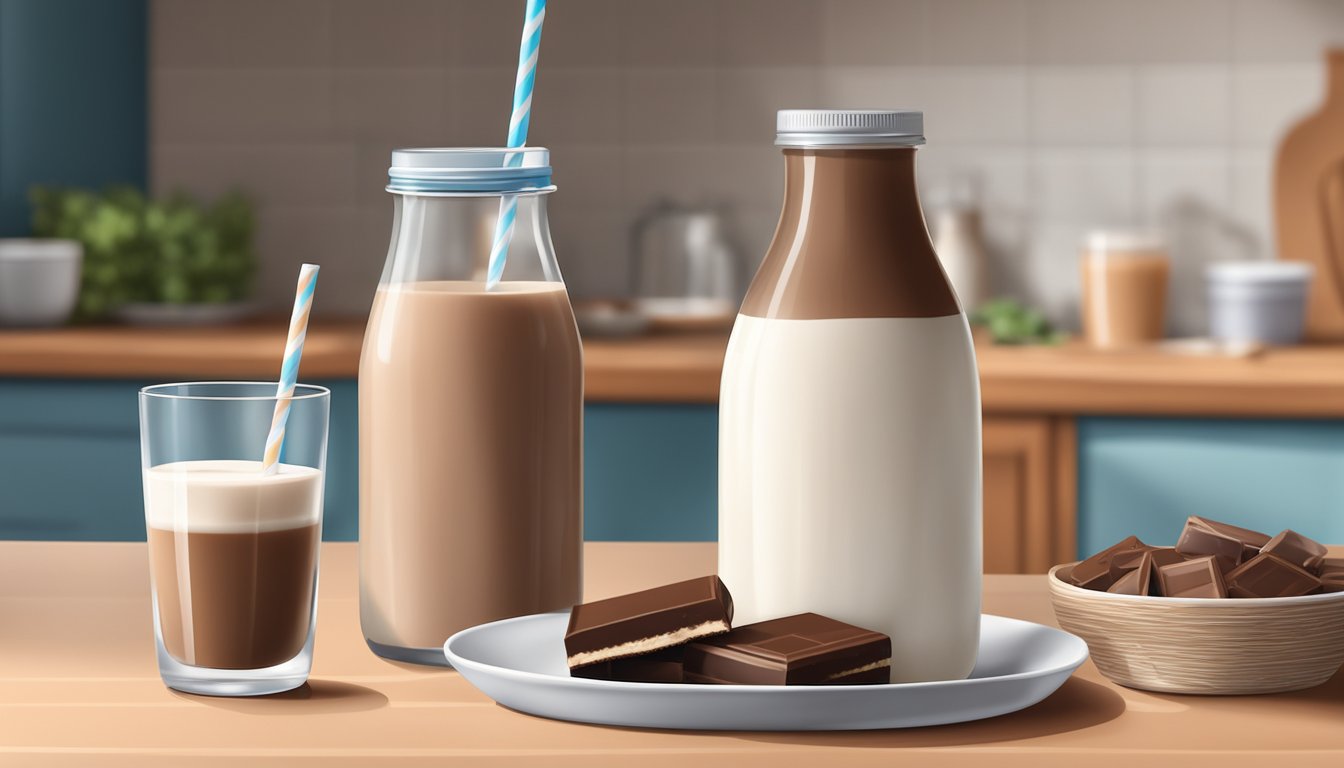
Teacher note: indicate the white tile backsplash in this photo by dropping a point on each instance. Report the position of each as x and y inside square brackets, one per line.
[769, 33]
[240, 34]
[873, 32]
[1073, 114]
[669, 106]
[977, 32]
[748, 98]
[1252, 200]
[396, 105]
[1285, 30]
[1173, 181]
[399, 33]
[1267, 99]
[975, 105]
[1184, 104]
[272, 174]
[1089, 106]
[578, 107]
[1083, 32]
[1091, 187]
[241, 106]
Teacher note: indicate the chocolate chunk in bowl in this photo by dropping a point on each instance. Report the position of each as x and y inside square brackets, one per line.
[1205, 646]
[1296, 549]
[1267, 575]
[1095, 571]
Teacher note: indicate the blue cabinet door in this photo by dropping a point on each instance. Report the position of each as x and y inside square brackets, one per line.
[70, 465]
[1145, 476]
[70, 461]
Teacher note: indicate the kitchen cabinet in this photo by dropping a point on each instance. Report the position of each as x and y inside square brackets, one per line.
[1029, 493]
[1144, 476]
[1081, 448]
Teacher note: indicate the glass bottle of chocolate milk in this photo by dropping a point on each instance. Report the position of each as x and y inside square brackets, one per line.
[470, 410]
[849, 416]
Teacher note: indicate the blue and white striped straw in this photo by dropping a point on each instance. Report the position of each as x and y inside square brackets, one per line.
[518, 121]
[289, 369]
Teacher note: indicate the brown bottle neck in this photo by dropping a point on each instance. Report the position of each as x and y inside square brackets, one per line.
[851, 241]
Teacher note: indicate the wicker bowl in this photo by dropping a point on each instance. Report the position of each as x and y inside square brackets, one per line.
[1193, 645]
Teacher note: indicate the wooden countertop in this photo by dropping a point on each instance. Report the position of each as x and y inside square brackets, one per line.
[78, 685]
[1072, 378]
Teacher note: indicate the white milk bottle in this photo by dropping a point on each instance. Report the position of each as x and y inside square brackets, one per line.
[849, 433]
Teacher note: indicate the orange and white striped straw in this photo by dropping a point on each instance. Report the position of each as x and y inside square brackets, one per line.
[289, 370]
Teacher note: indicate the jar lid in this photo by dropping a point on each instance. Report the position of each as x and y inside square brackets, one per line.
[1259, 272]
[470, 170]
[849, 128]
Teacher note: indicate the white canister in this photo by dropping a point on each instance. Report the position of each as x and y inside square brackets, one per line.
[39, 281]
[1257, 302]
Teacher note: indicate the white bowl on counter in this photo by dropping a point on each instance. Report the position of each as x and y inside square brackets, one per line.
[1257, 302]
[39, 281]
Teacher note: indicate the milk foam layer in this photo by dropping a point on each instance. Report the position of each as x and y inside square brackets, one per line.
[231, 496]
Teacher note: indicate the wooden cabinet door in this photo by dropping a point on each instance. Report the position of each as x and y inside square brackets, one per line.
[1029, 486]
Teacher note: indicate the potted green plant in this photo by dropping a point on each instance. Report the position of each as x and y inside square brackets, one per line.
[175, 260]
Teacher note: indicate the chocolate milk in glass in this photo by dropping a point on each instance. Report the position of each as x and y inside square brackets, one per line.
[1124, 296]
[849, 414]
[470, 409]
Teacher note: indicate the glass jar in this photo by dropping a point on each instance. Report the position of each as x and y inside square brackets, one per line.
[470, 409]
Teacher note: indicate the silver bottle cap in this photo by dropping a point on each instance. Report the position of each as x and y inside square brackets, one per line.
[849, 128]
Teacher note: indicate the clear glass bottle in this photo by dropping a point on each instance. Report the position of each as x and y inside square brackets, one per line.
[849, 417]
[470, 409]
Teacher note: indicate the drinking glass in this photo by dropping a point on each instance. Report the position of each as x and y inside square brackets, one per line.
[1124, 292]
[233, 551]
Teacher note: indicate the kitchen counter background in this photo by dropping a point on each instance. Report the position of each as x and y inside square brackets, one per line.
[1075, 113]
[1081, 448]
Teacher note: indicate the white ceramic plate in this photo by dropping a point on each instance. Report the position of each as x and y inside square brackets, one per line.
[521, 664]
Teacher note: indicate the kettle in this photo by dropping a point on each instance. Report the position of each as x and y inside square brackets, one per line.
[684, 266]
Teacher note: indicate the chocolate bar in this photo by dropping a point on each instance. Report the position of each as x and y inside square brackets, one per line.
[1229, 543]
[1199, 577]
[1095, 571]
[1268, 575]
[659, 667]
[648, 621]
[806, 649]
[1297, 549]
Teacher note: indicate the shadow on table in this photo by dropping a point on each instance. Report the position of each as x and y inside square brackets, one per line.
[313, 697]
[1078, 704]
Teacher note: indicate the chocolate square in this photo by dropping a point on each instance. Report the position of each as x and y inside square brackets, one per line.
[806, 649]
[1229, 543]
[1199, 577]
[1136, 580]
[1297, 549]
[1095, 571]
[1268, 575]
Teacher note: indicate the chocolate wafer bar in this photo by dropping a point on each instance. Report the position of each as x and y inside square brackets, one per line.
[648, 621]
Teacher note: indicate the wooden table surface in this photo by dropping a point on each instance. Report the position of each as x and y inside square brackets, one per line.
[1303, 381]
[78, 686]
